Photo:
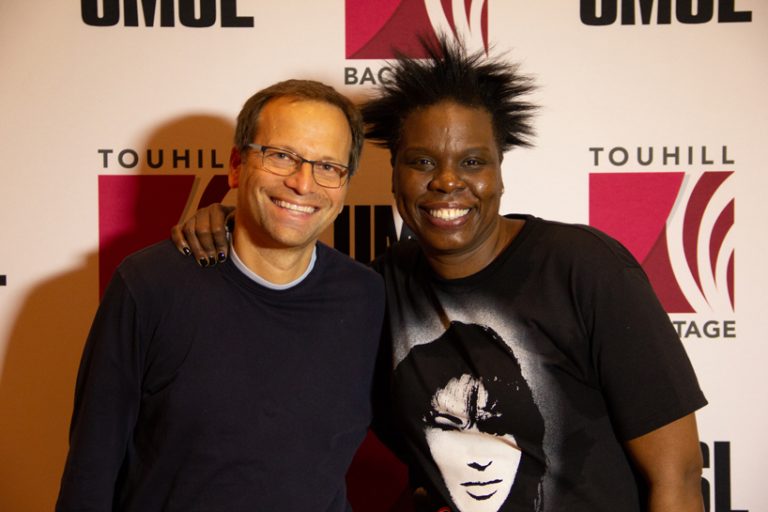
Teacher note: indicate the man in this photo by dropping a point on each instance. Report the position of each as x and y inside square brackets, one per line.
[483, 306]
[174, 413]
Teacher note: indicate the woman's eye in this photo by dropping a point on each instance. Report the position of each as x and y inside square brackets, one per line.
[473, 163]
[422, 163]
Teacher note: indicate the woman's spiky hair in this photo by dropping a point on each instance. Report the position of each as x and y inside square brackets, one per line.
[451, 74]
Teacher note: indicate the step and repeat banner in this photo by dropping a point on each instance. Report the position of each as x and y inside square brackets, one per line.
[117, 118]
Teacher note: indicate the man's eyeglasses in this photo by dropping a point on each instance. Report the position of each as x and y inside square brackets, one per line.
[284, 163]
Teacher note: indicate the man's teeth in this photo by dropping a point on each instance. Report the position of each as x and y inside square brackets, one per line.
[294, 207]
[449, 213]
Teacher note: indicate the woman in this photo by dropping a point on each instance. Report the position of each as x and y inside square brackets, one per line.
[580, 322]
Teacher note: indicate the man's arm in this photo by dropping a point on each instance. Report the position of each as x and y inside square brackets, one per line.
[107, 400]
[670, 460]
[204, 235]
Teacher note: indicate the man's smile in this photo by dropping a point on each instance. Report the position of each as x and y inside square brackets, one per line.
[294, 207]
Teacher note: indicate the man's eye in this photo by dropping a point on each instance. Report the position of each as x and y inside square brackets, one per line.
[280, 155]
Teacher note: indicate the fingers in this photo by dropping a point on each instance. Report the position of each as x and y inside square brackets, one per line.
[205, 235]
[192, 236]
[218, 232]
[177, 237]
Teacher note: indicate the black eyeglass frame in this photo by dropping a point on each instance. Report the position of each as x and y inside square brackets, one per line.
[343, 178]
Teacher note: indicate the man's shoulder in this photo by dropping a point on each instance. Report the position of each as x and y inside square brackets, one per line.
[336, 261]
[159, 264]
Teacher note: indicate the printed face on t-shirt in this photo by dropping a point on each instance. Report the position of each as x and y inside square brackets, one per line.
[478, 467]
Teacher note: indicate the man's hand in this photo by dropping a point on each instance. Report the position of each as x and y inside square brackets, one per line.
[670, 460]
[204, 235]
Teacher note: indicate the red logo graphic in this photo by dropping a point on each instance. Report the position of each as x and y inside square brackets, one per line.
[679, 227]
[374, 28]
[138, 210]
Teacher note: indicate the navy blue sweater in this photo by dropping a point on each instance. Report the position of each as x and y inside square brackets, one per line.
[200, 390]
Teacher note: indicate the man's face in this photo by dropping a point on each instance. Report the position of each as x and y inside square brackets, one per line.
[447, 178]
[291, 211]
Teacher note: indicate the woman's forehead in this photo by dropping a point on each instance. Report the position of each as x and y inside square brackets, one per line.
[447, 122]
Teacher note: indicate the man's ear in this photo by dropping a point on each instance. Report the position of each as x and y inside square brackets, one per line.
[235, 164]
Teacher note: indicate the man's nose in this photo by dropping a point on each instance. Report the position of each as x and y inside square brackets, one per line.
[302, 180]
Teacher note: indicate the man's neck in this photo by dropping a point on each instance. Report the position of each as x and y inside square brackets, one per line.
[278, 265]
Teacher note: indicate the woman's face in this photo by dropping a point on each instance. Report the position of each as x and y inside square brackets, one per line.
[447, 179]
[478, 468]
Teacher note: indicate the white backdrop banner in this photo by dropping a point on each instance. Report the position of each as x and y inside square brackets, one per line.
[118, 117]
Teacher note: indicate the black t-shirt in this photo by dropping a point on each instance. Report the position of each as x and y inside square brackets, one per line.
[515, 387]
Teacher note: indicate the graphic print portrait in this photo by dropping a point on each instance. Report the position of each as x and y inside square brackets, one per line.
[479, 421]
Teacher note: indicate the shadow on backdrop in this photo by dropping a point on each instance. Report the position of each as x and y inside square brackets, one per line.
[181, 167]
[43, 352]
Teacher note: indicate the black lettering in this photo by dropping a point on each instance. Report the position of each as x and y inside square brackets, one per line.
[590, 16]
[341, 231]
[159, 163]
[678, 324]
[382, 75]
[131, 15]
[675, 153]
[167, 16]
[723, 477]
[381, 237]
[640, 160]
[711, 329]
[89, 10]
[725, 156]
[664, 16]
[706, 488]
[727, 13]
[367, 76]
[363, 234]
[624, 156]
[149, 9]
[215, 163]
[685, 14]
[704, 160]
[729, 329]
[692, 330]
[229, 17]
[105, 153]
[177, 157]
[3, 281]
[596, 152]
[350, 76]
[128, 164]
[207, 16]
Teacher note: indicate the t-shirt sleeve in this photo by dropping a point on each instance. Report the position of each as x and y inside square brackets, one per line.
[107, 397]
[643, 369]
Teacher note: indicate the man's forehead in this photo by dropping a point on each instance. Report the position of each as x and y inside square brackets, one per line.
[312, 128]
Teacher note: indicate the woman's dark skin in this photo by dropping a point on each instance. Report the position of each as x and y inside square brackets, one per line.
[447, 185]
